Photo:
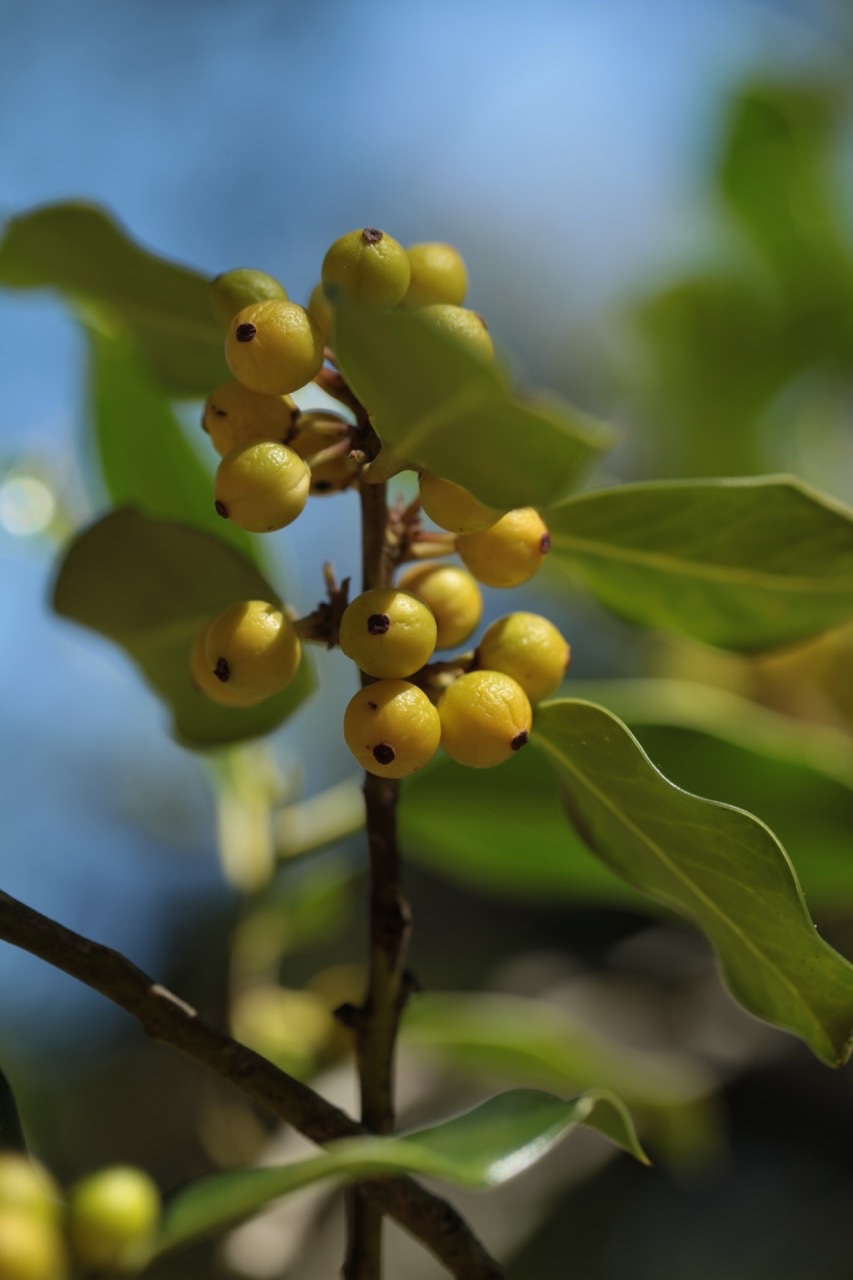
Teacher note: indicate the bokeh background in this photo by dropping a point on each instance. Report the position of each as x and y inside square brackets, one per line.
[620, 180]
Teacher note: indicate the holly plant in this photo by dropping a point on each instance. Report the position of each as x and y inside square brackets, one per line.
[386, 384]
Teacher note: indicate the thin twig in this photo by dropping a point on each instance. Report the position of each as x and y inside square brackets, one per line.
[166, 1018]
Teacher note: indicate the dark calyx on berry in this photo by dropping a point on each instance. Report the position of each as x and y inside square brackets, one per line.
[384, 753]
[378, 624]
[372, 235]
[245, 332]
[221, 509]
[545, 543]
[519, 740]
[222, 671]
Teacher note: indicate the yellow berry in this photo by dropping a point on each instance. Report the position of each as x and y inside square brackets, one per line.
[438, 275]
[253, 648]
[452, 507]
[231, 291]
[467, 326]
[320, 309]
[389, 633]
[392, 728]
[274, 347]
[287, 1026]
[111, 1216]
[30, 1248]
[233, 415]
[207, 682]
[530, 649]
[510, 552]
[366, 266]
[261, 486]
[485, 718]
[452, 597]
[26, 1186]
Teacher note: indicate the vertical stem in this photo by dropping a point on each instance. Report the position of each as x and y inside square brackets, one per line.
[390, 923]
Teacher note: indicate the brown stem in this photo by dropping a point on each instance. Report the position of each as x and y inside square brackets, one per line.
[166, 1018]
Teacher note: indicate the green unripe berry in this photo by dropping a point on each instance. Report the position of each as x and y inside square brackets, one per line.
[452, 597]
[392, 728]
[485, 719]
[438, 275]
[233, 415]
[366, 266]
[274, 347]
[529, 648]
[207, 682]
[452, 507]
[468, 327]
[389, 633]
[261, 486]
[111, 1217]
[510, 552]
[30, 1248]
[320, 309]
[231, 291]
[27, 1187]
[253, 648]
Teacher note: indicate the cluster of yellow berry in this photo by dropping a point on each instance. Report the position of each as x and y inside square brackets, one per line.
[478, 707]
[105, 1225]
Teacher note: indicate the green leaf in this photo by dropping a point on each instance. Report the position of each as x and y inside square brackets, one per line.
[530, 1042]
[469, 825]
[485, 1147]
[797, 776]
[11, 1134]
[439, 406]
[77, 250]
[715, 864]
[145, 459]
[745, 564]
[150, 585]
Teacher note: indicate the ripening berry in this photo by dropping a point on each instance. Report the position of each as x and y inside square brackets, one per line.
[485, 718]
[253, 648]
[231, 291]
[452, 597]
[392, 728]
[366, 266]
[530, 649]
[274, 347]
[207, 682]
[111, 1216]
[317, 432]
[27, 1187]
[510, 552]
[467, 326]
[261, 486]
[30, 1248]
[389, 633]
[453, 508]
[438, 275]
[320, 309]
[287, 1026]
[233, 415]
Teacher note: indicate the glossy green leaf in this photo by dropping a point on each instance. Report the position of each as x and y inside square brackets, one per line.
[796, 776]
[497, 1140]
[440, 407]
[717, 865]
[11, 1133]
[145, 459]
[77, 250]
[150, 585]
[745, 564]
[469, 825]
[530, 1042]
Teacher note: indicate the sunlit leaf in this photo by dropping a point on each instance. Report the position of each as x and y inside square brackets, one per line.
[497, 1140]
[746, 564]
[150, 585]
[718, 865]
[439, 406]
[145, 460]
[77, 250]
